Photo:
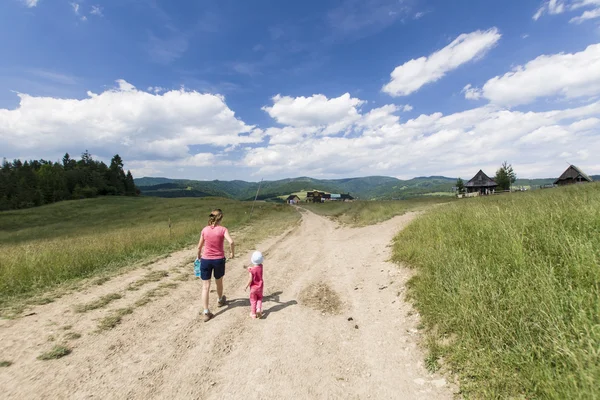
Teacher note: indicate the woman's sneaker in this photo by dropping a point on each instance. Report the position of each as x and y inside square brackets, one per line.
[259, 314]
[208, 316]
[222, 301]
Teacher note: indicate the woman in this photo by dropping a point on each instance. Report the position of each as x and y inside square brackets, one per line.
[212, 259]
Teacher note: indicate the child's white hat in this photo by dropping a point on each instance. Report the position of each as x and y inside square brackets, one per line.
[257, 258]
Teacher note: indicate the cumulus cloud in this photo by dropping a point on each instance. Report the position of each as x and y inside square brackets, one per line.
[439, 144]
[570, 75]
[471, 93]
[329, 116]
[414, 74]
[136, 124]
[407, 108]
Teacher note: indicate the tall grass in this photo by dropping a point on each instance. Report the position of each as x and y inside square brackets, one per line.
[362, 213]
[509, 287]
[46, 246]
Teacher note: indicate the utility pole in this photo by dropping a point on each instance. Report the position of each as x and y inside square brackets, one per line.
[255, 197]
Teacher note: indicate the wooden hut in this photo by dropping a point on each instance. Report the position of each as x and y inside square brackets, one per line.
[572, 175]
[292, 199]
[315, 196]
[481, 183]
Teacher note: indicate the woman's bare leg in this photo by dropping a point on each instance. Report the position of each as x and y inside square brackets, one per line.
[205, 292]
[219, 283]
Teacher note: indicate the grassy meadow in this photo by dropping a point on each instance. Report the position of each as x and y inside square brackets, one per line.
[362, 213]
[43, 247]
[509, 290]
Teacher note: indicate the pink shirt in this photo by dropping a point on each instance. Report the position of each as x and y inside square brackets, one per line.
[257, 278]
[213, 242]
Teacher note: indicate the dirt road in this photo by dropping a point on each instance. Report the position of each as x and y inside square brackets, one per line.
[336, 326]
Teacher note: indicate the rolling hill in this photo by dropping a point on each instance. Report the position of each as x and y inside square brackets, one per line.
[366, 188]
[372, 187]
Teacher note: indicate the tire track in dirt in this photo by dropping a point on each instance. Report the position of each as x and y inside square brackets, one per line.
[164, 350]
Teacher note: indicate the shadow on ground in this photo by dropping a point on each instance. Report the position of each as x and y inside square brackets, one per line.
[271, 298]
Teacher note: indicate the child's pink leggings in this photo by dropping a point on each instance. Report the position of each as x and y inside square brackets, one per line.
[255, 302]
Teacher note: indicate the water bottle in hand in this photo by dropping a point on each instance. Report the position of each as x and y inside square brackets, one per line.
[197, 267]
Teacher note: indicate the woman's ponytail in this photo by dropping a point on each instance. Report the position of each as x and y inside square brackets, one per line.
[215, 217]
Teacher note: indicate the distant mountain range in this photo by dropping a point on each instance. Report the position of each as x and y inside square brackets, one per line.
[366, 188]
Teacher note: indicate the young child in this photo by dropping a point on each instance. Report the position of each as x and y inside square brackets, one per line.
[255, 283]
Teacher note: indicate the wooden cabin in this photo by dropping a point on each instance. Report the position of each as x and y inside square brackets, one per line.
[481, 183]
[572, 175]
[315, 196]
[292, 199]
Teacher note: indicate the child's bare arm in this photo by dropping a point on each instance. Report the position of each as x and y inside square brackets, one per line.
[249, 280]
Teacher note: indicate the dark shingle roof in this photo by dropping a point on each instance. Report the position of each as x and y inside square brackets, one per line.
[573, 173]
[481, 180]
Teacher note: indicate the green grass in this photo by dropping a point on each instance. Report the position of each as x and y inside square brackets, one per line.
[45, 247]
[56, 352]
[362, 213]
[5, 363]
[509, 290]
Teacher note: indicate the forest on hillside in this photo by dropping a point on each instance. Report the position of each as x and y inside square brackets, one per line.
[25, 184]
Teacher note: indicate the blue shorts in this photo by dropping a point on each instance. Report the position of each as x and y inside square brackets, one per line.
[208, 266]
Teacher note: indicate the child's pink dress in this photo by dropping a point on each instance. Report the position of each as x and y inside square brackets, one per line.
[256, 289]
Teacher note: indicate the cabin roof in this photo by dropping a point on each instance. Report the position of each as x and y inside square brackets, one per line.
[481, 180]
[573, 172]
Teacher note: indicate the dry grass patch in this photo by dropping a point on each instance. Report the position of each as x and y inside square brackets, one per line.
[56, 352]
[321, 298]
[99, 303]
[160, 291]
[72, 335]
[153, 276]
[113, 320]
[100, 281]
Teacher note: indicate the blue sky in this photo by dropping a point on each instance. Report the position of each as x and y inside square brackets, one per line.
[250, 90]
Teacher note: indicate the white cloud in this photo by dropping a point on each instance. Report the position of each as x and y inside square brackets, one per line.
[587, 15]
[471, 93]
[138, 125]
[96, 10]
[584, 3]
[329, 116]
[433, 144]
[570, 75]
[156, 89]
[412, 75]
[75, 8]
[30, 3]
[552, 7]
[407, 108]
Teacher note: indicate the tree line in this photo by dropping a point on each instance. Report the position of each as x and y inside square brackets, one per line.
[38, 182]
